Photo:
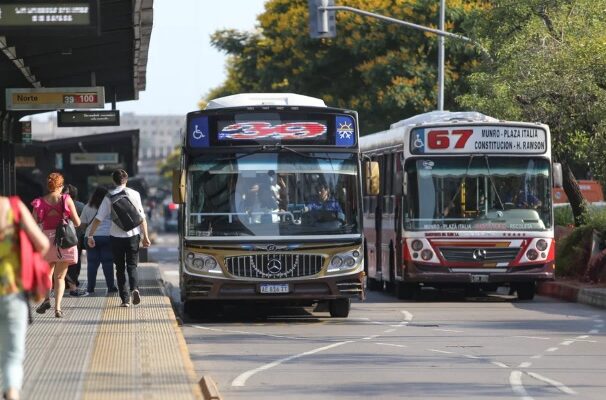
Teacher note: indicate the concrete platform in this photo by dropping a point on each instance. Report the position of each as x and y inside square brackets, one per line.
[103, 351]
[574, 291]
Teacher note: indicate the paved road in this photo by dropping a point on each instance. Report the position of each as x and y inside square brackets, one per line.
[442, 347]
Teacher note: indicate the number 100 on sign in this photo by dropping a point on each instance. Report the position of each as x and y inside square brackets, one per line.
[82, 98]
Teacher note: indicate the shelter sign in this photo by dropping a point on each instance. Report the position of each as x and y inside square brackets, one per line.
[55, 98]
[32, 14]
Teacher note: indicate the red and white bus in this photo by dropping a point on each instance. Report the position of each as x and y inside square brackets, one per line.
[465, 201]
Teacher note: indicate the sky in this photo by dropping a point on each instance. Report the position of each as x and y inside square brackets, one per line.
[182, 66]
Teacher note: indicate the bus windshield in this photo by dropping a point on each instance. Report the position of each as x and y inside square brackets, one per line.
[272, 194]
[478, 192]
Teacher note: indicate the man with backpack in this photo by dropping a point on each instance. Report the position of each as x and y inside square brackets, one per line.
[128, 223]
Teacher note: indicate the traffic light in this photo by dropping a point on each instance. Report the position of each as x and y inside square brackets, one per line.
[322, 23]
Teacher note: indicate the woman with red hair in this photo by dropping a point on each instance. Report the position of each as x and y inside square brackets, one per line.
[49, 211]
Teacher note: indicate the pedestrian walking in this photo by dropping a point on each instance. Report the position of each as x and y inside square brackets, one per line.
[128, 224]
[101, 253]
[73, 271]
[50, 211]
[13, 304]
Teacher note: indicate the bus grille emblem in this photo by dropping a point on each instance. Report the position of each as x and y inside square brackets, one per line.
[479, 254]
[274, 266]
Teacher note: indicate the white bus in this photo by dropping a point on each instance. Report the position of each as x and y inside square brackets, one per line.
[269, 188]
[465, 201]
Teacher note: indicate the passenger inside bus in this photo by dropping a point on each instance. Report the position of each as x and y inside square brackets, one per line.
[260, 203]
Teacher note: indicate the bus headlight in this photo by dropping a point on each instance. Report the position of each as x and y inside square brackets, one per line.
[542, 245]
[532, 254]
[416, 245]
[198, 263]
[345, 261]
[427, 254]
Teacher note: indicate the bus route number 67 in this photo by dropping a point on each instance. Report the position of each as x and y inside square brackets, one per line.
[440, 139]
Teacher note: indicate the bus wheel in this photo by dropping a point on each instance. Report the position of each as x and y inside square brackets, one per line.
[339, 308]
[525, 290]
[406, 290]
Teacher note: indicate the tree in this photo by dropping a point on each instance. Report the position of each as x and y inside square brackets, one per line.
[550, 66]
[384, 71]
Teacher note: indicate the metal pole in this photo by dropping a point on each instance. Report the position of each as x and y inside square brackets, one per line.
[441, 57]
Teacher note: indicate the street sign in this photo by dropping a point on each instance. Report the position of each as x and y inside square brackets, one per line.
[55, 98]
[88, 118]
[45, 16]
[93, 158]
[322, 24]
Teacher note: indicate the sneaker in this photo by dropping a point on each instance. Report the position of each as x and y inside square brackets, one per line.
[42, 308]
[136, 297]
[125, 304]
[78, 293]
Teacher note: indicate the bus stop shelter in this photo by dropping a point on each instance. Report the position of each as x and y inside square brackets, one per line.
[109, 52]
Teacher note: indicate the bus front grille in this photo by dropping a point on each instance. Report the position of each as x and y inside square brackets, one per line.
[485, 254]
[274, 266]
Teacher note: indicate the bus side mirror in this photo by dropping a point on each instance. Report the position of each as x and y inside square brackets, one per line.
[178, 186]
[557, 175]
[371, 177]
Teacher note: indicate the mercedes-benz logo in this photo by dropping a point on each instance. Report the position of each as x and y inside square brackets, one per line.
[274, 266]
[479, 254]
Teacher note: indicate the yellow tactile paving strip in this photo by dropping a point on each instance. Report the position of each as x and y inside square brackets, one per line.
[139, 352]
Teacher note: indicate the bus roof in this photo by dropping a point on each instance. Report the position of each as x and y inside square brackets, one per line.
[444, 116]
[260, 99]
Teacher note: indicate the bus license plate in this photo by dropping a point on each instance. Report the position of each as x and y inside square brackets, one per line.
[479, 278]
[271, 288]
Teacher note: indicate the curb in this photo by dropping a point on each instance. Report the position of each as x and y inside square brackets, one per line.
[590, 296]
[209, 388]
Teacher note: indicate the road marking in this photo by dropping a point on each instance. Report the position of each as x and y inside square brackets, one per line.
[563, 388]
[370, 337]
[440, 351]
[594, 331]
[499, 364]
[448, 330]
[567, 342]
[515, 381]
[391, 344]
[390, 330]
[551, 349]
[242, 378]
[470, 356]
[532, 337]
[537, 356]
[525, 364]
[407, 316]
[249, 333]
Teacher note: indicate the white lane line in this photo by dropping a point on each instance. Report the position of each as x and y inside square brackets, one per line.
[242, 378]
[552, 349]
[440, 351]
[515, 381]
[470, 356]
[537, 356]
[448, 330]
[249, 333]
[407, 316]
[370, 337]
[594, 331]
[532, 337]
[583, 337]
[560, 386]
[567, 342]
[390, 330]
[391, 344]
[499, 364]
[525, 364]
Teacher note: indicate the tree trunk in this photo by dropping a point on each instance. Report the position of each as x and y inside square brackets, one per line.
[580, 209]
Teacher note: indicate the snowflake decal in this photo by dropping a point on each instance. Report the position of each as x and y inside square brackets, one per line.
[345, 130]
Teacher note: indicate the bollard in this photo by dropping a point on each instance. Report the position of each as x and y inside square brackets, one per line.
[209, 389]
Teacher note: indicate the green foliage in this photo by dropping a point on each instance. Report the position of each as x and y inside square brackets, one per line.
[562, 216]
[167, 165]
[384, 71]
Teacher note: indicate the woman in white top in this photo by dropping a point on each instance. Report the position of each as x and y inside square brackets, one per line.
[102, 252]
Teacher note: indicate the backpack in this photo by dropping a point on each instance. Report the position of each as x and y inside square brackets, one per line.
[35, 271]
[124, 213]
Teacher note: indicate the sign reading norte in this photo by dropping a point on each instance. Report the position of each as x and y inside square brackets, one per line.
[55, 98]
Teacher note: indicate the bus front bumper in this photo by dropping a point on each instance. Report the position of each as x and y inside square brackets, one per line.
[317, 289]
[440, 274]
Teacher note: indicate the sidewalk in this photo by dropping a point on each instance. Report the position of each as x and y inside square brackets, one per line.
[102, 351]
[574, 291]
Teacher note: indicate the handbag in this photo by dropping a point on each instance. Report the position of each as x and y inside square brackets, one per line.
[65, 233]
[35, 271]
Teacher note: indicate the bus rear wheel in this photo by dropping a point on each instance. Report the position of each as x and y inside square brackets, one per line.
[525, 290]
[339, 308]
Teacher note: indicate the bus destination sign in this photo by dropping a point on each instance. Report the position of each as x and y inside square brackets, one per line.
[47, 14]
[55, 98]
[478, 139]
[88, 118]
